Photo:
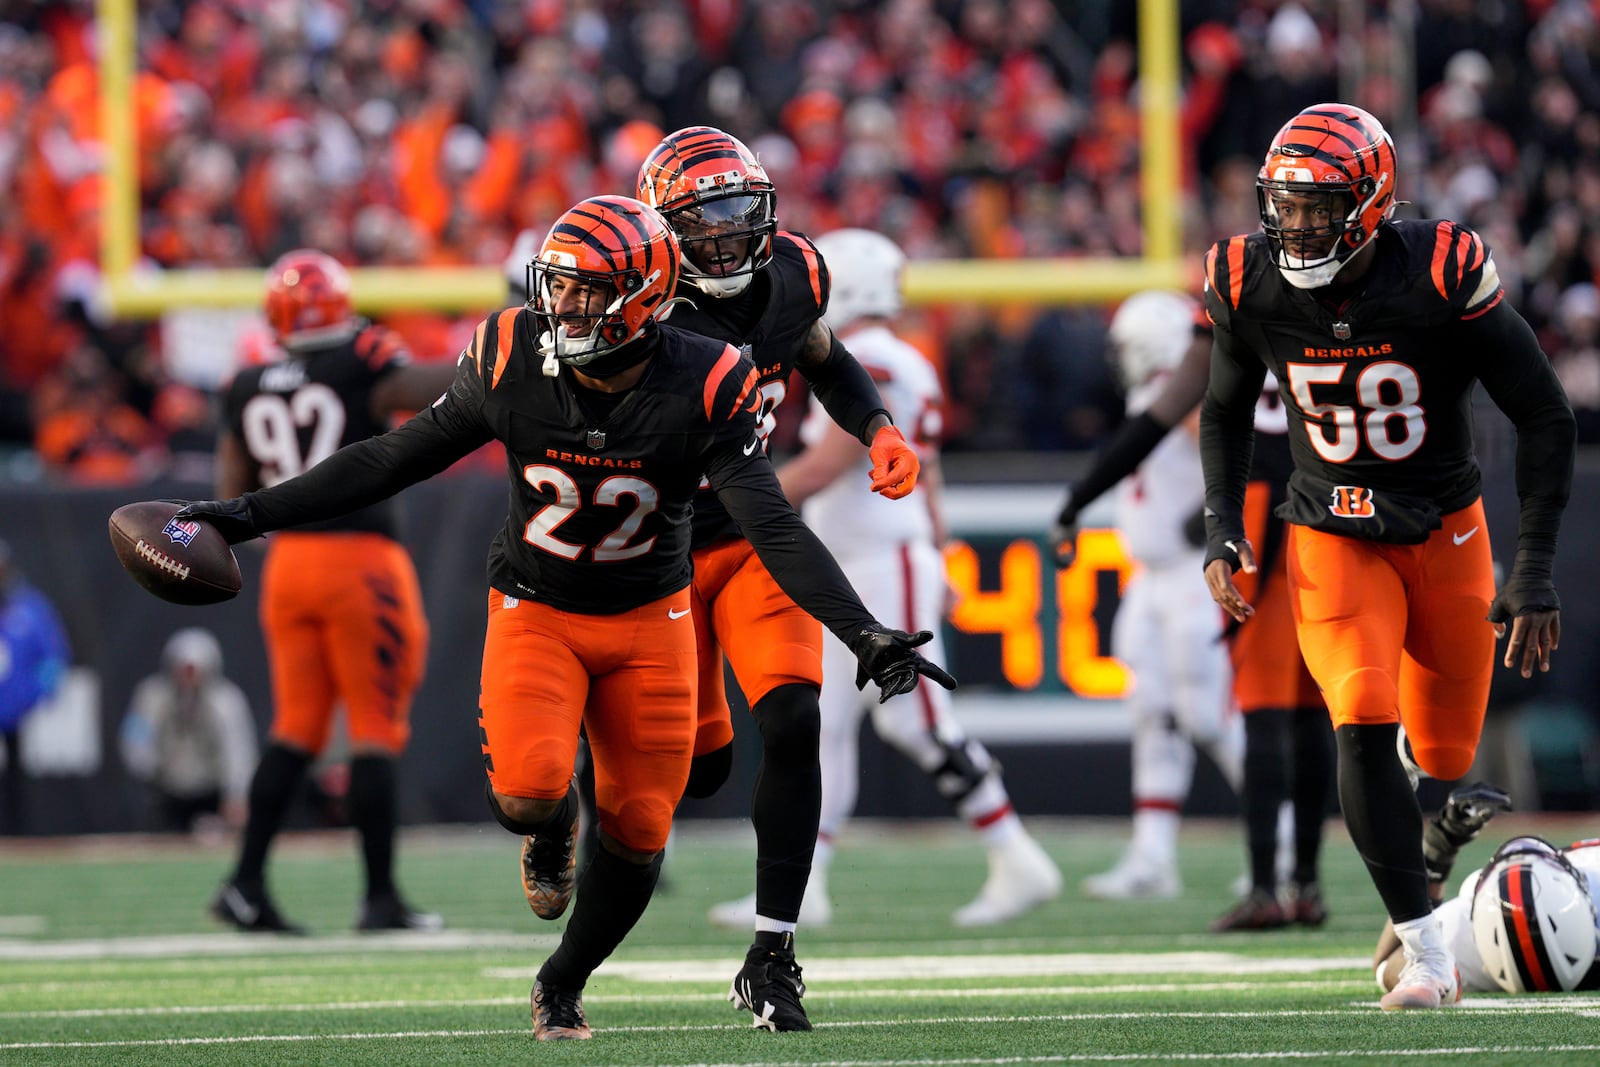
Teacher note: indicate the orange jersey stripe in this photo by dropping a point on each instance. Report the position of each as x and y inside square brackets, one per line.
[1441, 251]
[508, 324]
[477, 344]
[1463, 247]
[725, 363]
[1501, 295]
[813, 264]
[746, 390]
[1235, 270]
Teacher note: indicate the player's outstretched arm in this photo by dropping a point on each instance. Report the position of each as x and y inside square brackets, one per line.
[889, 658]
[1519, 379]
[1227, 421]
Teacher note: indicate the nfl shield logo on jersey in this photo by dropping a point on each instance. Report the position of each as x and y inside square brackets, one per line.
[596, 439]
[1341, 330]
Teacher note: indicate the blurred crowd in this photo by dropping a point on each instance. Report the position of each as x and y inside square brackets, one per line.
[432, 132]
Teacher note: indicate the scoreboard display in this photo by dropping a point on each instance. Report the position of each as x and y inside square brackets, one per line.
[1020, 626]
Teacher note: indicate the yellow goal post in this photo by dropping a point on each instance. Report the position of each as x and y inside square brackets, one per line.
[135, 293]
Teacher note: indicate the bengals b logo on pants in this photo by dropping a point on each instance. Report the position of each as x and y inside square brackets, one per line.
[1352, 502]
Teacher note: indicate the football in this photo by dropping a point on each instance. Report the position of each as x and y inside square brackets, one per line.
[184, 561]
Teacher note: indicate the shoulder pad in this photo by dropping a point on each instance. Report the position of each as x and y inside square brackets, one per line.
[797, 257]
[730, 384]
[1225, 274]
[492, 344]
[380, 348]
[1458, 264]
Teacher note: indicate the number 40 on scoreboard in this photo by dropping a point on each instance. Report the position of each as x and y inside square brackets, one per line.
[1018, 624]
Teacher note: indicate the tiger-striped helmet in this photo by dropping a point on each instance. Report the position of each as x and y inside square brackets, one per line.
[308, 301]
[621, 262]
[717, 198]
[1333, 166]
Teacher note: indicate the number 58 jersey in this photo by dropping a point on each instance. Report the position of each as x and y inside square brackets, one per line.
[293, 414]
[1378, 386]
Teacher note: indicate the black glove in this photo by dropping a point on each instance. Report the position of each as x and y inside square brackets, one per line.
[1462, 818]
[889, 657]
[1521, 595]
[1062, 540]
[230, 517]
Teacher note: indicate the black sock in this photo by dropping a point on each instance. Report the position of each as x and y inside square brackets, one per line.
[611, 896]
[372, 813]
[588, 809]
[787, 805]
[707, 772]
[1313, 777]
[558, 821]
[271, 790]
[1381, 812]
[1266, 733]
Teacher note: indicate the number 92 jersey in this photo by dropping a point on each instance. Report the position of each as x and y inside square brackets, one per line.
[291, 415]
[1378, 388]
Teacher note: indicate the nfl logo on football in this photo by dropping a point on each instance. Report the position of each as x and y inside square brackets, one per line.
[181, 533]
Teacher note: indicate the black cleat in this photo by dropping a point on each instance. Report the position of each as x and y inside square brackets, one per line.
[769, 987]
[1302, 903]
[558, 1014]
[1258, 910]
[252, 911]
[550, 871]
[391, 913]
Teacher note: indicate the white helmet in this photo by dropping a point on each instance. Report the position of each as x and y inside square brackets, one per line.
[1532, 919]
[865, 267]
[1149, 334]
[193, 647]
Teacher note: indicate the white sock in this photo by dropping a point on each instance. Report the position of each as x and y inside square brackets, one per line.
[1155, 834]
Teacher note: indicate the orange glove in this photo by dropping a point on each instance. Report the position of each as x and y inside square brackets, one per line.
[894, 464]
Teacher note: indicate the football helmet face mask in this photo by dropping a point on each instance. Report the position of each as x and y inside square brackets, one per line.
[1325, 187]
[864, 268]
[1149, 335]
[600, 280]
[717, 198]
[1533, 921]
[308, 301]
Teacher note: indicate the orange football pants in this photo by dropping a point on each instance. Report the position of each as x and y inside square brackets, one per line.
[628, 679]
[1268, 670]
[1397, 633]
[739, 610]
[343, 622]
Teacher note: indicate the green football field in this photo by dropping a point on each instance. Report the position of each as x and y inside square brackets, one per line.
[107, 956]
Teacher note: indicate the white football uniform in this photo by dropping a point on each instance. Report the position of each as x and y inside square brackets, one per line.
[886, 549]
[1168, 630]
[1455, 916]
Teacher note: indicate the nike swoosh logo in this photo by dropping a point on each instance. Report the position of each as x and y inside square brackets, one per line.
[677, 614]
[751, 447]
[1462, 539]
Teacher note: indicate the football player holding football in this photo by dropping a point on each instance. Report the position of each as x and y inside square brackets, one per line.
[1378, 330]
[752, 285]
[609, 420]
[341, 612]
[1288, 753]
[1523, 923]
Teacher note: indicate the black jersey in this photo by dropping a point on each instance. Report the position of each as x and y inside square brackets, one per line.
[770, 321]
[598, 515]
[291, 415]
[1377, 390]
